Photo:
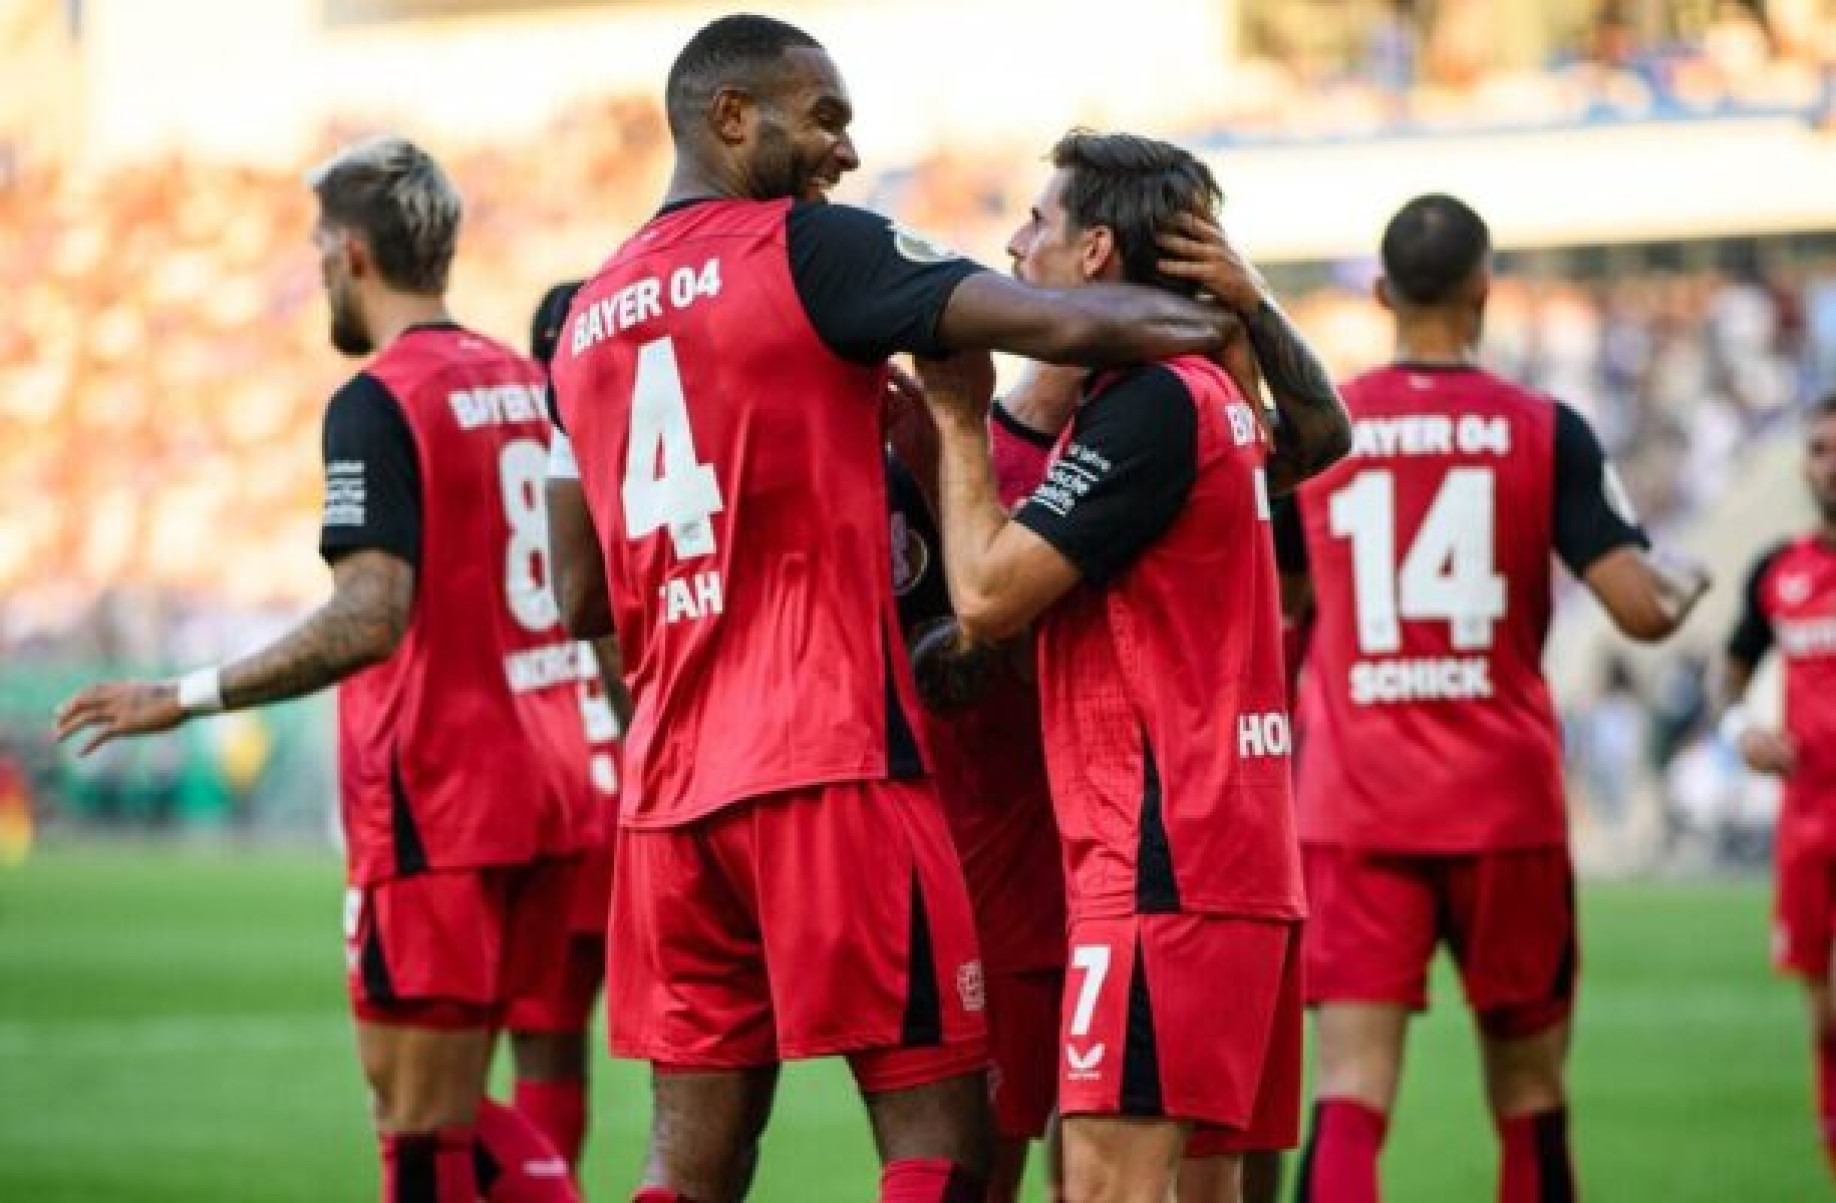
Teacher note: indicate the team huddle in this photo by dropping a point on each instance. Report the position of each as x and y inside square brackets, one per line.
[823, 708]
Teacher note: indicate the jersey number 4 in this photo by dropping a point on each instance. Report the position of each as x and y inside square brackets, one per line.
[1449, 572]
[666, 485]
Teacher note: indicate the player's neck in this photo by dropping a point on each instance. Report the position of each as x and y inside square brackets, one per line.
[1826, 533]
[1436, 337]
[392, 314]
[695, 181]
[1435, 352]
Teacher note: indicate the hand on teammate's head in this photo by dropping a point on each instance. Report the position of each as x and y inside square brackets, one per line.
[1198, 251]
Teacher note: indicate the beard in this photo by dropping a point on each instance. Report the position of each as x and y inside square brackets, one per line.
[776, 171]
[349, 334]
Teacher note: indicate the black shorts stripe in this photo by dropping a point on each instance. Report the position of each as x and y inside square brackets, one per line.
[485, 1169]
[903, 760]
[1563, 988]
[1156, 888]
[410, 853]
[923, 1006]
[1141, 1051]
[374, 968]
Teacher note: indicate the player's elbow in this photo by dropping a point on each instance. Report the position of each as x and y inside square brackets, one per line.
[985, 618]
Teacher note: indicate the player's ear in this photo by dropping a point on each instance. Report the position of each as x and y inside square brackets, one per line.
[1380, 291]
[359, 262]
[1099, 250]
[730, 115]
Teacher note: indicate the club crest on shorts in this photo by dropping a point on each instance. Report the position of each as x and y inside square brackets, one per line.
[970, 986]
[911, 556]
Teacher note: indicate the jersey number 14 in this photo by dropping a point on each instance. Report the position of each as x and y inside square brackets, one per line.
[1449, 573]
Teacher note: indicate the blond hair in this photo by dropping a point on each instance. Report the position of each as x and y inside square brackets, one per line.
[392, 194]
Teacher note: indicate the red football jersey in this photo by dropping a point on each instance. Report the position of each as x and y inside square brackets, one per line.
[991, 774]
[733, 464]
[1429, 727]
[467, 746]
[1796, 595]
[1166, 723]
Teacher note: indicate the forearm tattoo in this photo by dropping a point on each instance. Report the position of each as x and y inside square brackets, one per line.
[1315, 430]
[362, 622]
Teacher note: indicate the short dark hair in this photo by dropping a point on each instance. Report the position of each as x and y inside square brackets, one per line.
[734, 49]
[1431, 247]
[545, 326]
[1823, 407]
[1135, 186]
[391, 193]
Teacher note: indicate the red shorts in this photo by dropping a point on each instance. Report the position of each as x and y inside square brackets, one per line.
[1191, 1017]
[802, 924]
[1804, 911]
[1023, 1049]
[1508, 917]
[567, 1005]
[451, 948]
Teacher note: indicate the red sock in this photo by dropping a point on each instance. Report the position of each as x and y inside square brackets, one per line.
[516, 1164]
[1340, 1164]
[1536, 1166]
[659, 1194]
[929, 1180]
[558, 1109]
[429, 1167]
[1826, 1095]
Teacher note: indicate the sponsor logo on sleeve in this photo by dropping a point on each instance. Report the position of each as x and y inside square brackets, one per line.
[919, 248]
[346, 493]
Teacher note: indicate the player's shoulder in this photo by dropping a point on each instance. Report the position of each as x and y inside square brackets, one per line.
[1168, 383]
[1790, 552]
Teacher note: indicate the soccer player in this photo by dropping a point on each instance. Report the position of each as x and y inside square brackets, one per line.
[786, 886]
[1146, 561]
[1430, 779]
[981, 716]
[462, 751]
[548, 1031]
[1791, 605]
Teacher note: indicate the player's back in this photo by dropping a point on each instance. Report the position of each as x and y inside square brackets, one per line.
[1164, 698]
[466, 747]
[732, 462]
[1428, 726]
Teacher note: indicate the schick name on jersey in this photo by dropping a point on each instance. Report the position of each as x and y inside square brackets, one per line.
[1432, 679]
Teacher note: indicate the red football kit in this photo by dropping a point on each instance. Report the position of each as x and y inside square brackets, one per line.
[1430, 792]
[464, 758]
[785, 885]
[990, 766]
[1167, 740]
[1791, 607]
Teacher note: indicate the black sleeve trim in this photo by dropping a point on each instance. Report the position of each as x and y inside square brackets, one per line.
[1752, 635]
[372, 475]
[1124, 476]
[1589, 521]
[1020, 430]
[870, 288]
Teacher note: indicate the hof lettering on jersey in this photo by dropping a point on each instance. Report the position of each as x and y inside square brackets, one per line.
[1806, 638]
[1260, 735]
[642, 301]
[1431, 434]
[497, 405]
[698, 597]
[1430, 679]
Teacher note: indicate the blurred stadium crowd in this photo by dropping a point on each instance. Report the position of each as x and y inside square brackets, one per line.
[165, 365]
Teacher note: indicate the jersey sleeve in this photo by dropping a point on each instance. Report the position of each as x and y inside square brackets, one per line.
[917, 549]
[1593, 515]
[1124, 476]
[1020, 455]
[870, 287]
[1752, 635]
[372, 475]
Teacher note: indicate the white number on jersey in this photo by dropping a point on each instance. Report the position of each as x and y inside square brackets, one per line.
[522, 467]
[665, 484]
[1092, 960]
[1449, 572]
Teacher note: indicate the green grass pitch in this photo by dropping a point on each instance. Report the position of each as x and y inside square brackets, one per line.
[172, 1027]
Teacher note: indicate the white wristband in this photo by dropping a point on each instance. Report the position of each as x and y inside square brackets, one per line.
[1734, 725]
[201, 692]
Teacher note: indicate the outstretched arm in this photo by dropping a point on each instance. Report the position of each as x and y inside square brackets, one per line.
[372, 597]
[1764, 749]
[1315, 429]
[1101, 325]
